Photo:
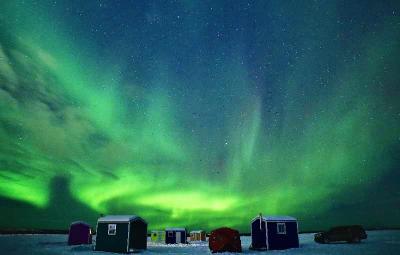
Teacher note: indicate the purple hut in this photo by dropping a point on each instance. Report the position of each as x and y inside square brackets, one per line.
[79, 233]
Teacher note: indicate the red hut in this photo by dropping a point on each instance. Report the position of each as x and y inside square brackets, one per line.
[225, 240]
[79, 233]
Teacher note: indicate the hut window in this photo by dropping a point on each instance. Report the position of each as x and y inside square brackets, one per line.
[112, 229]
[170, 234]
[281, 228]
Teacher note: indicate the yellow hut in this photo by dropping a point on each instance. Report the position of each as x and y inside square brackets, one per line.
[157, 236]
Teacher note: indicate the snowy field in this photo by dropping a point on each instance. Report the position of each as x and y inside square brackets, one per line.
[378, 242]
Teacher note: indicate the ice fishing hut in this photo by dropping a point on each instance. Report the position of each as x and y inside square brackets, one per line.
[121, 233]
[225, 240]
[175, 235]
[79, 233]
[197, 235]
[157, 236]
[274, 233]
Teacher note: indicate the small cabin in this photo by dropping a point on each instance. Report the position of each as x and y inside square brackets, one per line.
[157, 236]
[197, 235]
[224, 240]
[175, 235]
[79, 233]
[274, 233]
[121, 233]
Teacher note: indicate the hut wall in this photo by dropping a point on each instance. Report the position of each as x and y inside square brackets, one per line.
[282, 241]
[115, 243]
[138, 235]
[258, 235]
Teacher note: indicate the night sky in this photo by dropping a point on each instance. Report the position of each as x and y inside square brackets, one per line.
[200, 114]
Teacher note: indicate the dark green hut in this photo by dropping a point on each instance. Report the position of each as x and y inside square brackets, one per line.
[121, 233]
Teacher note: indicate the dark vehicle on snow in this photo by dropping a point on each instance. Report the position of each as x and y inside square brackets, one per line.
[351, 234]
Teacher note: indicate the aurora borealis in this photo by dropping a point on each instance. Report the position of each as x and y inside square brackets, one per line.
[200, 113]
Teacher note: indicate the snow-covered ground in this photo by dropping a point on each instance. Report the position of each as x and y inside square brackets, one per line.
[378, 242]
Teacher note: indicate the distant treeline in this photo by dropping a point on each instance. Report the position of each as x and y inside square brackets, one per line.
[65, 231]
[33, 231]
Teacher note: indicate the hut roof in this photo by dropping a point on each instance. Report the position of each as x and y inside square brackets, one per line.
[276, 218]
[175, 229]
[80, 223]
[196, 231]
[118, 218]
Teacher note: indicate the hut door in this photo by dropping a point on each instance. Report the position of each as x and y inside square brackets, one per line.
[178, 237]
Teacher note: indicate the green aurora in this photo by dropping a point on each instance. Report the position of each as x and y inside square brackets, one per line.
[318, 139]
